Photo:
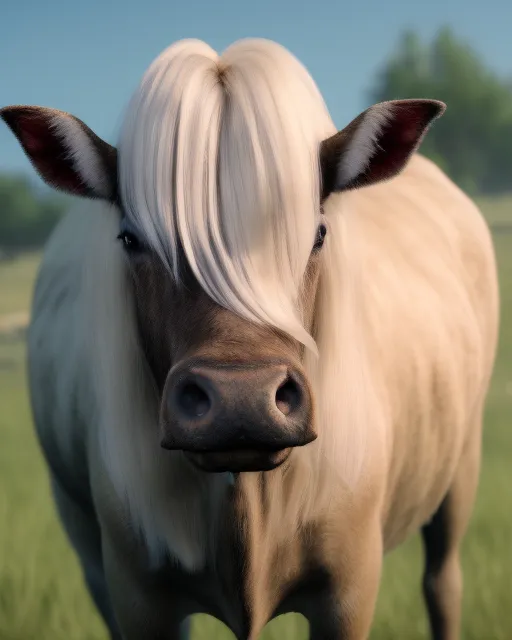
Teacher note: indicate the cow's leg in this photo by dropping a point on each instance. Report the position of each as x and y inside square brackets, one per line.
[145, 607]
[83, 532]
[186, 629]
[442, 581]
[347, 611]
[141, 623]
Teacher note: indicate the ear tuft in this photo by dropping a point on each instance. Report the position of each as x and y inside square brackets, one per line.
[377, 144]
[64, 151]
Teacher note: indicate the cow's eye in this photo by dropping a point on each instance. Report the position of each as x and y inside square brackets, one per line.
[320, 237]
[130, 241]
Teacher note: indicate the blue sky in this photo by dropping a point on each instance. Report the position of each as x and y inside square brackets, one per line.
[87, 57]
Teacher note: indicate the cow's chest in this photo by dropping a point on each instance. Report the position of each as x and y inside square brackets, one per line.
[246, 580]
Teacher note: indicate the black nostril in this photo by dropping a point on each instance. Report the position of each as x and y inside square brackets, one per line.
[193, 401]
[288, 396]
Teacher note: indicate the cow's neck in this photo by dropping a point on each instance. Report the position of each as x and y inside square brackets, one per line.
[262, 554]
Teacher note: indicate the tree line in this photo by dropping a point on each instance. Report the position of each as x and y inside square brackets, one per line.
[26, 216]
[472, 142]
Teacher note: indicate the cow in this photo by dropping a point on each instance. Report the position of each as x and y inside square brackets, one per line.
[259, 349]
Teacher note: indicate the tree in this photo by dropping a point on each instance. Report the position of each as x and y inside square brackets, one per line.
[26, 220]
[472, 140]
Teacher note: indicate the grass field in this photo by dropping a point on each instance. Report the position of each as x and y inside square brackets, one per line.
[41, 593]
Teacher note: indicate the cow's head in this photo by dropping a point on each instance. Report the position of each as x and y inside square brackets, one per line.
[234, 392]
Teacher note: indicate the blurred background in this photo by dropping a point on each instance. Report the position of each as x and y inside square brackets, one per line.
[86, 58]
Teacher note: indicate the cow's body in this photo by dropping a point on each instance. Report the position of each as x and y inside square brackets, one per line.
[429, 296]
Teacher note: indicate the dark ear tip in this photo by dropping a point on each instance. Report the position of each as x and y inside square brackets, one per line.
[438, 108]
[11, 114]
[16, 110]
[6, 113]
[432, 109]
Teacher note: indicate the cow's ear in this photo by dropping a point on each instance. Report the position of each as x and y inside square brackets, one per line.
[376, 145]
[64, 151]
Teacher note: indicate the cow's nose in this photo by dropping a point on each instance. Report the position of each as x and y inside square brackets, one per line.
[219, 407]
[197, 395]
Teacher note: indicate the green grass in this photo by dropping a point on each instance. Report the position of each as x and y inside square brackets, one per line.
[17, 277]
[497, 210]
[41, 592]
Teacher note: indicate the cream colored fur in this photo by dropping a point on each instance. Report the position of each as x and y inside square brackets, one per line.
[426, 308]
[407, 301]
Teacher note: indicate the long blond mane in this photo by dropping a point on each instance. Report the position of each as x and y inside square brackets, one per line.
[219, 154]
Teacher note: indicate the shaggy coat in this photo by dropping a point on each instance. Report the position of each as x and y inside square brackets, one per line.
[252, 235]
